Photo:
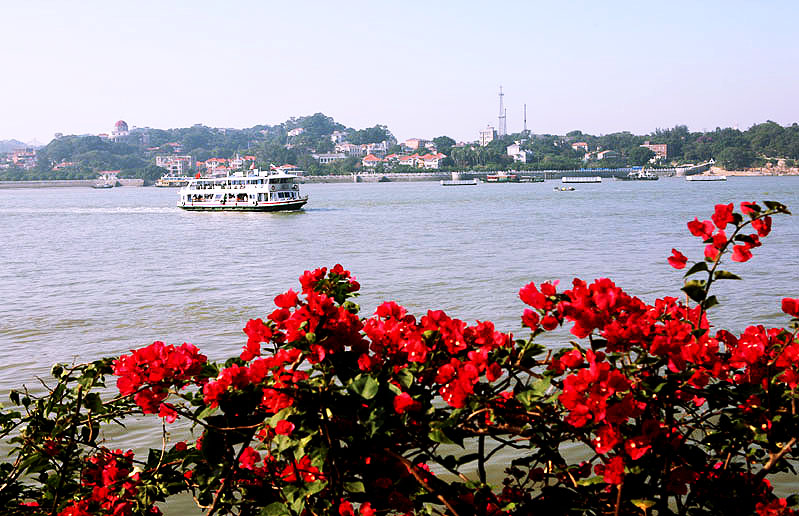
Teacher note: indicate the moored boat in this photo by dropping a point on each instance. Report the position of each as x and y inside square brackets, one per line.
[172, 181]
[639, 175]
[581, 179]
[502, 177]
[700, 177]
[253, 190]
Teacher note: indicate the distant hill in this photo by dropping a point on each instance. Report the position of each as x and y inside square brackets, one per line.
[10, 145]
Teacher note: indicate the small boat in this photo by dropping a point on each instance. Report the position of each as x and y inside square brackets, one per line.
[581, 179]
[172, 181]
[103, 185]
[699, 177]
[564, 189]
[639, 175]
[458, 182]
[531, 179]
[254, 190]
[502, 177]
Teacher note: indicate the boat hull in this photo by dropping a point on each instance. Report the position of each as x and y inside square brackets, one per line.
[272, 206]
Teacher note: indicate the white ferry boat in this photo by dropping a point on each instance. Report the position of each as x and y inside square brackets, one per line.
[253, 190]
[172, 181]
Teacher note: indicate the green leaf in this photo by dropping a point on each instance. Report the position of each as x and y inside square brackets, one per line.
[697, 267]
[695, 290]
[643, 504]
[590, 481]
[726, 275]
[354, 487]
[710, 302]
[275, 509]
[366, 386]
[207, 411]
[405, 377]
[777, 206]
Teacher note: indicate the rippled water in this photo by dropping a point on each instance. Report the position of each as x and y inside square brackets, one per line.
[88, 273]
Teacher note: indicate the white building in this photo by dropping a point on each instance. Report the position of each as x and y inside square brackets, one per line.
[488, 135]
[176, 165]
[324, 159]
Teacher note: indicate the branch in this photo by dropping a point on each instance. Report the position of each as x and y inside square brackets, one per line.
[424, 482]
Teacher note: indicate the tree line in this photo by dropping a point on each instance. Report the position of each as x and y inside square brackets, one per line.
[134, 155]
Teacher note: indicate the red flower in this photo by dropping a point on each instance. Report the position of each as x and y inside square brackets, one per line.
[711, 252]
[404, 403]
[763, 226]
[790, 306]
[287, 300]
[741, 253]
[748, 208]
[723, 215]
[549, 323]
[677, 259]
[612, 472]
[284, 427]
[703, 229]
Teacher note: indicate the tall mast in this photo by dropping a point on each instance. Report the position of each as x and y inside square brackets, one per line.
[525, 119]
[503, 128]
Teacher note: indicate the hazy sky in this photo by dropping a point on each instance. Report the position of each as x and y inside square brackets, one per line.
[424, 68]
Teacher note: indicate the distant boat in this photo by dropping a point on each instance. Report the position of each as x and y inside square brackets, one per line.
[172, 181]
[564, 189]
[103, 184]
[640, 175]
[581, 179]
[705, 178]
[502, 177]
[458, 182]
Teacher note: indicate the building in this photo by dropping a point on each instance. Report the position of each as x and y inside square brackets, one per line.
[580, 146]
[296, 131]
[607, 154]
[24, 158]
[432, 161]
[175, 165]
[661, 150]
[518, 154]
[413, 143]
[350, 149]
[326, 158]
[487, 135]
[338, 136]
[371, 161]
[120, 131]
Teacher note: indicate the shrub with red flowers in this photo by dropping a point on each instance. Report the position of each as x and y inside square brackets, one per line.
[649, 410]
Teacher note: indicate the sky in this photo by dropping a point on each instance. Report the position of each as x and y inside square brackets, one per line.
[422, 68]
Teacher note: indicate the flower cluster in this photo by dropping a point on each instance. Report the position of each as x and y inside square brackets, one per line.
[149, 372]
[111, 487]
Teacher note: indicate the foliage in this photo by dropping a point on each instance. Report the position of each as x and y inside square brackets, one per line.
[649, 411]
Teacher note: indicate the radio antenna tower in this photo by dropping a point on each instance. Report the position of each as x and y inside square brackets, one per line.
[525, 119]
[503, 127]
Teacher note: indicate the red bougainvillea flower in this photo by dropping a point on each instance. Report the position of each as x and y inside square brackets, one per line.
[677, 259]
[749, 208]
[702, 229]
[723, 215]
[711, 252]
[284, 427]
[612, 472]
[741, 253]
[790, 306]
[762, 226]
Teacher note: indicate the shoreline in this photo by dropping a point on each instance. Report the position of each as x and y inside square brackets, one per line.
[368, 178]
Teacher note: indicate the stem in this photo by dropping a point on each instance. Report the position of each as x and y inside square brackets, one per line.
[481, 467]
[424, 482]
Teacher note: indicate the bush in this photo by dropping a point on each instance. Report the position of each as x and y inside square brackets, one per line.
[325, 412]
